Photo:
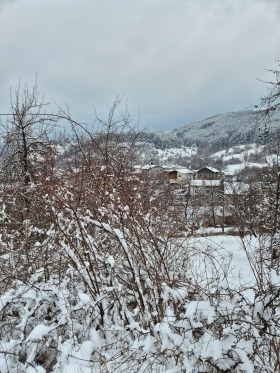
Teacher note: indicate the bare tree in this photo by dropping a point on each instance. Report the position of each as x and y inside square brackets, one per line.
[26, 142]
[27, 162]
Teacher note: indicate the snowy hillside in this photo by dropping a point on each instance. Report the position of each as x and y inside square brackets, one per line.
[230, 161]
[219, 131]
[229, 142]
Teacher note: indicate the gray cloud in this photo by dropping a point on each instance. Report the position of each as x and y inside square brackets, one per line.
[175, 61]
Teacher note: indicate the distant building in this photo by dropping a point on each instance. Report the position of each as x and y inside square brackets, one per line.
[206, 180]
[207, 173]
[151, 170]
[179, 175]
[199, 186]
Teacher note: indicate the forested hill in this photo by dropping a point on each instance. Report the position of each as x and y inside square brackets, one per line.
[219, 131]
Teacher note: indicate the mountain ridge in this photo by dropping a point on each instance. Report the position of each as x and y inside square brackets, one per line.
[219, 131]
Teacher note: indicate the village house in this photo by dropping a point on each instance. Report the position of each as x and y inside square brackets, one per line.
[206, 180]
[199, 186]
[150, 170]
[207, 173]
[179, 175]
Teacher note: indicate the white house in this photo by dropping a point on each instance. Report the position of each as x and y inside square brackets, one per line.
[198, 186]
[149, 170]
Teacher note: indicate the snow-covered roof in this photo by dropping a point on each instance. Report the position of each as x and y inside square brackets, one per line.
[205, 183]
[209, 168]
[173, 167]
[180, 170]
[149, 166]
[184, 171]
[138, 167]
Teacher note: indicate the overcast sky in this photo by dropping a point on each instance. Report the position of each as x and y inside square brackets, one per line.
[173, 61]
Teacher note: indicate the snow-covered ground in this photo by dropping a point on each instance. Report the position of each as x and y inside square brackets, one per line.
[232, 169]
[231, 249]
[184, 152]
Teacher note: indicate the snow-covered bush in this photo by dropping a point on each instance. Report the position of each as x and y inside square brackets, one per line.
[193, 326]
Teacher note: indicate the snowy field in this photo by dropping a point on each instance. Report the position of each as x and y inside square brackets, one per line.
[230, 255]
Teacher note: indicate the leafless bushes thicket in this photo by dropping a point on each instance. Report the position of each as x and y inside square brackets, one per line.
[95, 275]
